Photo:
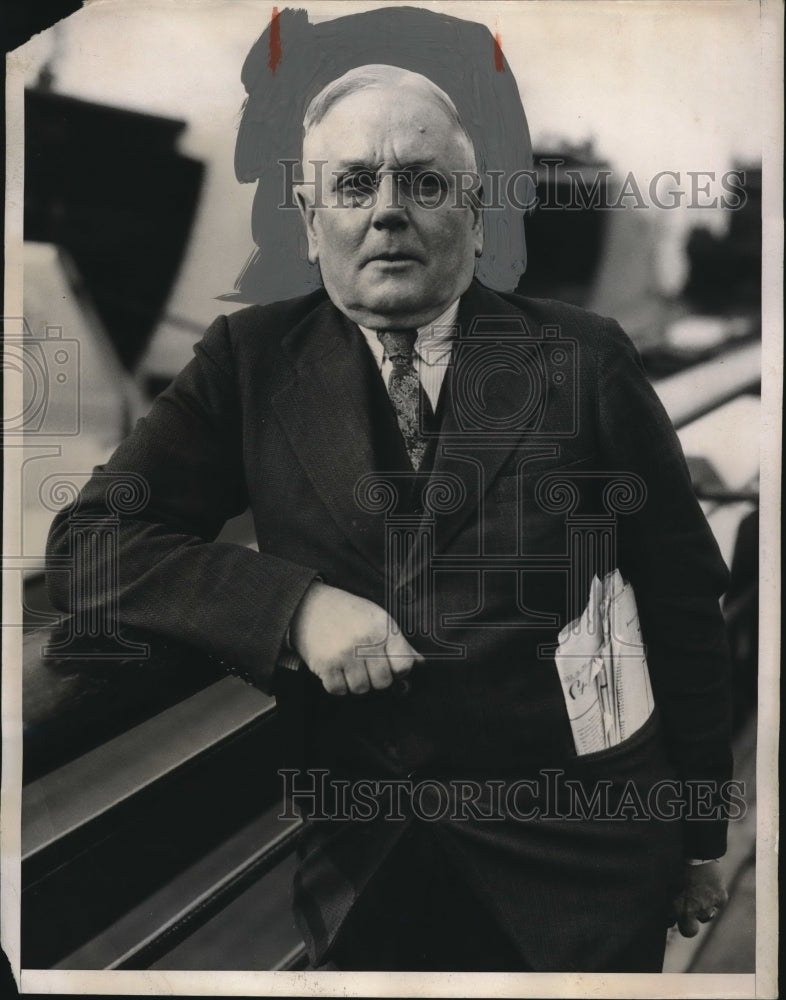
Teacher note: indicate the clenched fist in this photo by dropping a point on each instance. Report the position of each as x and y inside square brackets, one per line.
[351, 644]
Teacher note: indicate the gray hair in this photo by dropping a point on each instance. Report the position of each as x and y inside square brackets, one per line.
[378, 76]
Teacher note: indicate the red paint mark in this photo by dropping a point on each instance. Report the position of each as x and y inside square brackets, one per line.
[275, 42]
[499, 65]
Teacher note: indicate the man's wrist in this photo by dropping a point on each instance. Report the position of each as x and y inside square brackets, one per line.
[289, 658]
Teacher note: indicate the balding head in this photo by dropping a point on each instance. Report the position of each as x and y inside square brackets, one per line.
[377, 76]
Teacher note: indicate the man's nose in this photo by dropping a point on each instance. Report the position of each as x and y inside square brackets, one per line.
[390, 207]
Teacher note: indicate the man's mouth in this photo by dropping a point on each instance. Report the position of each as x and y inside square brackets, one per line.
[392, 257]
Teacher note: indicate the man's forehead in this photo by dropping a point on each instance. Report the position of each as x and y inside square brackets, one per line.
[358, 127]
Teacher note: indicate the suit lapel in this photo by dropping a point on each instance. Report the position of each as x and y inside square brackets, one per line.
[324, 414]
[495, 395]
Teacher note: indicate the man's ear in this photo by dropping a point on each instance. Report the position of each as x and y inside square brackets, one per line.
[304, 203]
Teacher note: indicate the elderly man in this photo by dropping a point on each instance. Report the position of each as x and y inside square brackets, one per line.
[418, 453]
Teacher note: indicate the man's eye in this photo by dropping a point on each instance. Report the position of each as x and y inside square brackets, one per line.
[359, 188]
[428, 187]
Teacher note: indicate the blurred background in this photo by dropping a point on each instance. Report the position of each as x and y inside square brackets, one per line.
[136, 234]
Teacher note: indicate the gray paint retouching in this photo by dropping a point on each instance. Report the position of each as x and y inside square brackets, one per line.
[460, 56]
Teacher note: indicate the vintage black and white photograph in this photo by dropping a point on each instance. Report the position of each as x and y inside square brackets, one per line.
[391, 509]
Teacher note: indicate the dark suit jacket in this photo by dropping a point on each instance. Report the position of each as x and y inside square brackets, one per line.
[555, 460]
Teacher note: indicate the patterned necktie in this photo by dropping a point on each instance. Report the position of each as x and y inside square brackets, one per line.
[405, 391]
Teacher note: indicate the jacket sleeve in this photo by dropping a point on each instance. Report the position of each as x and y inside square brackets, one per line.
[667, 550]
[171, 576]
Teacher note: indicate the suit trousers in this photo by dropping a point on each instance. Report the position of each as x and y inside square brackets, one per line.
[419, 915]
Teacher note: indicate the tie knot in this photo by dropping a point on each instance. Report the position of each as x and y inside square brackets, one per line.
[399, 344]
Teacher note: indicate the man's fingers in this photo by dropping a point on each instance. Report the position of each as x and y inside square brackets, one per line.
[334, 682]
[710, 910]
[701, 900]
[370, 666]
[400, 655]
[379, 672]
[691, 916]
[357, 677]
[688, 925]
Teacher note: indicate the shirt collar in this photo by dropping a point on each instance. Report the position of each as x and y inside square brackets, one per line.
[434, 339]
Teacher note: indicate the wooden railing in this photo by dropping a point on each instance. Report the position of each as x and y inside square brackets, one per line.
[130, 846]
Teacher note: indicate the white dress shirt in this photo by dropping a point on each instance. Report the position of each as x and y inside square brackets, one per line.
[432, 352]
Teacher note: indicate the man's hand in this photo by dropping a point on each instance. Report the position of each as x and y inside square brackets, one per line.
[330, 629]
[702, 898]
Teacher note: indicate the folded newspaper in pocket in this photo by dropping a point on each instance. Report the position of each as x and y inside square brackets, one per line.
[602, 667]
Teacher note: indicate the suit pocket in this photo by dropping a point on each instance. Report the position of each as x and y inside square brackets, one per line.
[517, 483]
[636, 744]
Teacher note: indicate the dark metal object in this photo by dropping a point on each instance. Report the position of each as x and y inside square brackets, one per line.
[109, 186]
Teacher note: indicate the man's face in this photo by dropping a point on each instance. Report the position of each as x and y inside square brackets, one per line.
[395, 247]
